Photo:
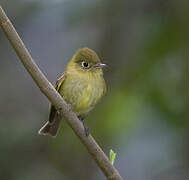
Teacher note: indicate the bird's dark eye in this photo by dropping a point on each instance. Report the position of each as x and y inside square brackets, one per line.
[85, 64]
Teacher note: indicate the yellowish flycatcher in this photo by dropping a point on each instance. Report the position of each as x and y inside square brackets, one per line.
[81, 86]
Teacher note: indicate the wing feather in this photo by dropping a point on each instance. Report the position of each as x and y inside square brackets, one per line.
[53, 110]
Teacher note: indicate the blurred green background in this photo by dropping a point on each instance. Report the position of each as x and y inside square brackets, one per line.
[143, 117]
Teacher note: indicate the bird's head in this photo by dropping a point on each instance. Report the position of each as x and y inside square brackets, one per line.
[86, 60]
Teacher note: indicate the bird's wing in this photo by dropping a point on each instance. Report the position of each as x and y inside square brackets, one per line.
[53, 110]
[60, 81]
[105, 88]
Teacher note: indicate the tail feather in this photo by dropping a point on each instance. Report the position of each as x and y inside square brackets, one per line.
[50, 128]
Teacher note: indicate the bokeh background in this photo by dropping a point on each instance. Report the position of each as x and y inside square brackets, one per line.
[144, 115]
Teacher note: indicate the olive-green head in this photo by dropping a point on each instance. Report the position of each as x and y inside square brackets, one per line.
[86, 59]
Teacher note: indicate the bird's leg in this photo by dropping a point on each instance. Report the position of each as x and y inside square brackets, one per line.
[70, 108]
[81, 118]
[86, 129]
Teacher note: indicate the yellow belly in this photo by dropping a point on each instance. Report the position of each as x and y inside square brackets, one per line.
[82, 92]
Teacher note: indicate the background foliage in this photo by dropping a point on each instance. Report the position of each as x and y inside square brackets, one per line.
[143, 117]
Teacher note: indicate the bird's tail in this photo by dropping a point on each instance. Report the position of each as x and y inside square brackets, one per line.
[50, 128]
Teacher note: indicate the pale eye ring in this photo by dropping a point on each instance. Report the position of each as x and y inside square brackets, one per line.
[85, 64]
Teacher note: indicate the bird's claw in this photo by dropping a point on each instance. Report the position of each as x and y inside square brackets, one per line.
[81, 118]
[70, 108]
[86, 129]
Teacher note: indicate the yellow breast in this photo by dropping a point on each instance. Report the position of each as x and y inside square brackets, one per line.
[83, 91]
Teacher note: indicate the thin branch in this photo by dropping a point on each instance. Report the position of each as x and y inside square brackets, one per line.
[54, 97]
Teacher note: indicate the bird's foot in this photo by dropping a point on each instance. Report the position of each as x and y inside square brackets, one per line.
[70, 108]
[81, 118]
[86, 129]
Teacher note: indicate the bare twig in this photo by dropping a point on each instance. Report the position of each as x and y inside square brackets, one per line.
[54, 97]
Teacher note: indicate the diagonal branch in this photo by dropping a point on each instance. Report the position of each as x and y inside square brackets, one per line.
[54, 97]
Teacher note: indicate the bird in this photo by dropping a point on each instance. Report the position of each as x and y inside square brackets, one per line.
[81, 85]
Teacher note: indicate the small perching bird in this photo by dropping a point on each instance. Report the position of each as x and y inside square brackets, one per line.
[81, 85]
